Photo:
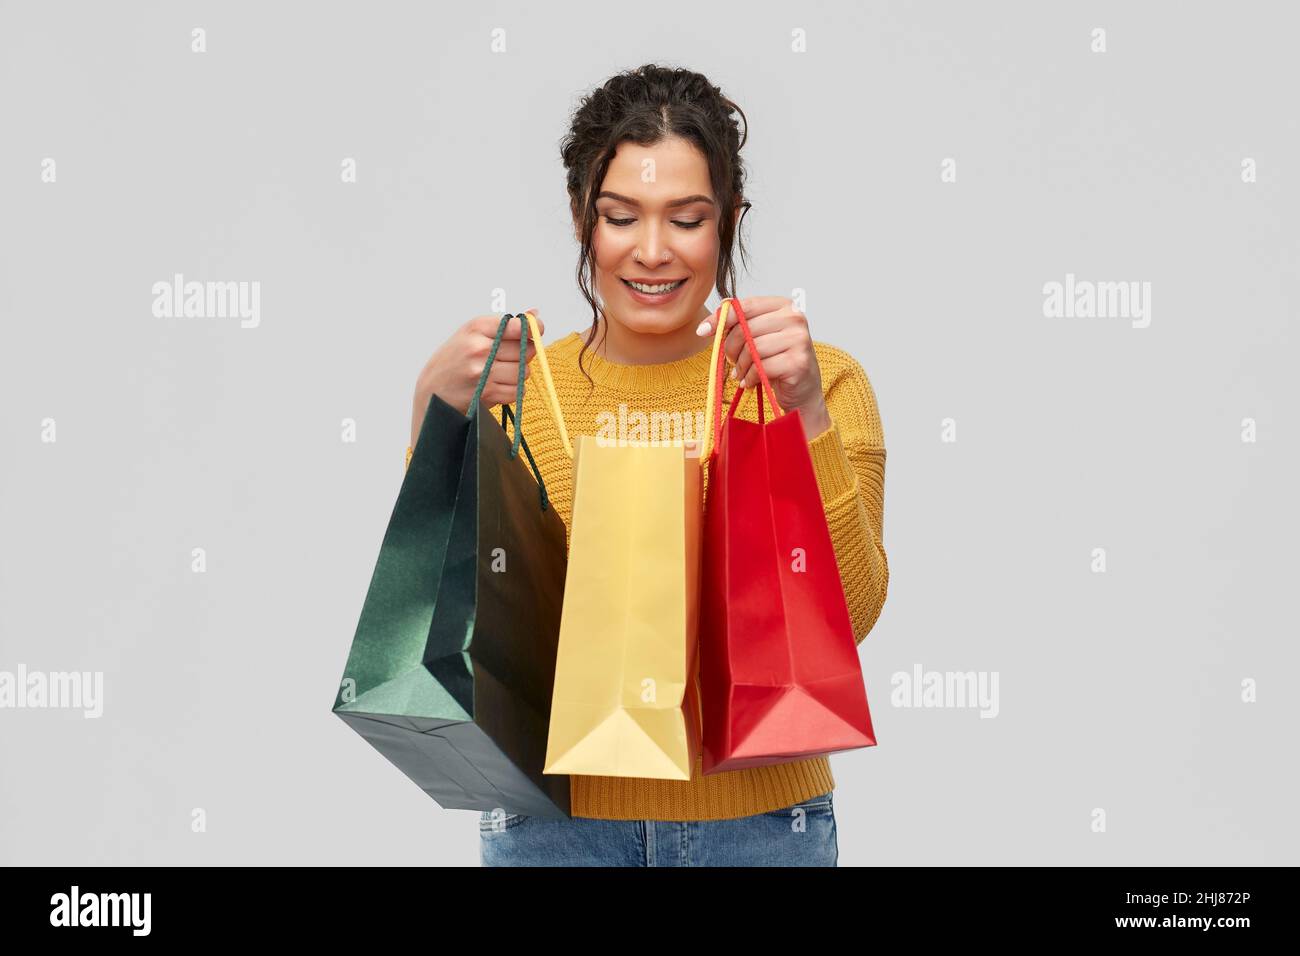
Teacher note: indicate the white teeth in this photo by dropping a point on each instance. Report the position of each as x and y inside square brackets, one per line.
[655, 289]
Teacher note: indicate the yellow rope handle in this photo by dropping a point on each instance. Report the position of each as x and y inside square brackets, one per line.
[548, 383]
[721, 317]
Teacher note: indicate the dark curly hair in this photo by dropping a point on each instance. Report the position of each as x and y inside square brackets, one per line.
[648, 105]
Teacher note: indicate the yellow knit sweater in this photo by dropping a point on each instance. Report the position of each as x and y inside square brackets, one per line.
[849, 461]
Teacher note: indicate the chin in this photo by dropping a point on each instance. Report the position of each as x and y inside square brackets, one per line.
[654, 325]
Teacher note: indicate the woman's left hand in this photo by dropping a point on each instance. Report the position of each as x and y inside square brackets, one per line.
[785, 345]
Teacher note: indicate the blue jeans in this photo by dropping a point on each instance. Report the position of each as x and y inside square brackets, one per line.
[802, 834]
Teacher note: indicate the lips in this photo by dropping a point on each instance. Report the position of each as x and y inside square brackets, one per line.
[656, 299]
[655, 283]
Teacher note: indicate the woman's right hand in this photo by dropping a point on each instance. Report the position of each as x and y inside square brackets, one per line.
[452, 373]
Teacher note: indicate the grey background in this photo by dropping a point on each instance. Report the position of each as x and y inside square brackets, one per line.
[1119, 690]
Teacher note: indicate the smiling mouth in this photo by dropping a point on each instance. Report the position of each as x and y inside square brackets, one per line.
[653, 288]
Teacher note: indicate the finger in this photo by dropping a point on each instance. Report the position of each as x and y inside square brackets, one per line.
[779, 365]
[511, 372]
[504, 373]
[768, 345]
[485, 325]
[516, 324]
[541, 326]
[707, 326]
[508, 351]
[757, 305]
[500, 366]
[507, 373]
[734, 343]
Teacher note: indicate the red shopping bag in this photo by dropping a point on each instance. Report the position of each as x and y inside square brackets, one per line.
[779, 672]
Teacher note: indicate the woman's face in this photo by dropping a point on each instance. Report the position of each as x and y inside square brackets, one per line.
[657, 221]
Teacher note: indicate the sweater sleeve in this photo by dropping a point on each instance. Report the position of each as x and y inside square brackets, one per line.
[849, 461]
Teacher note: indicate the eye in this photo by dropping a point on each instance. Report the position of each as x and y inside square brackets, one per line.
[683, 225]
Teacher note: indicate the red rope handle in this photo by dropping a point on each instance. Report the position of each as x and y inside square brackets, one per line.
[735, 399]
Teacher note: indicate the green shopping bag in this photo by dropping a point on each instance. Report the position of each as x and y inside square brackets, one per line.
[452, 666]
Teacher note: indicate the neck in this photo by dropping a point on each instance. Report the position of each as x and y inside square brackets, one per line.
[624, 346]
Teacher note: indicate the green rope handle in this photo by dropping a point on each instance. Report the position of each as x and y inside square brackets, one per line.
[517, 415]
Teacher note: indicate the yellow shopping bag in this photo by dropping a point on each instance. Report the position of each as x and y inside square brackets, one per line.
[626, 697]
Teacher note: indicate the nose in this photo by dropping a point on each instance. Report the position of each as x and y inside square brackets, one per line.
[653, 244]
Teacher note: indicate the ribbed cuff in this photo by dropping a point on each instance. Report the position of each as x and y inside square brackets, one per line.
[835, 474]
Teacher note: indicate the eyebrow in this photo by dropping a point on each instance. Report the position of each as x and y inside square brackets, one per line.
[671, 204]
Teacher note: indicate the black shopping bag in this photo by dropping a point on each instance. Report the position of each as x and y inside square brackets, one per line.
[452, 666]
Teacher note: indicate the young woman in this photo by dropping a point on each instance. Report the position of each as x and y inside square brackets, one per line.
[656, 189]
